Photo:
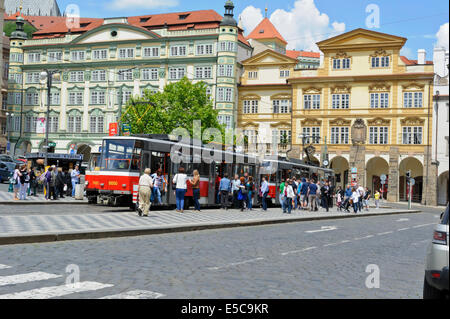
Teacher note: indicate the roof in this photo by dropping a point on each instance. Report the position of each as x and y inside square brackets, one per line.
[296, 54]
[413, 62]
[54, 27]
[266, 30]
[33, 7]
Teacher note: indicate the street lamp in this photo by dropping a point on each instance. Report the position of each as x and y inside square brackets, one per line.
[47, 75]
[9, 117]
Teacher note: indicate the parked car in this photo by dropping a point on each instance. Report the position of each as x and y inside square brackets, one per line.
[6, 158]
[6, 169]
[435, 284]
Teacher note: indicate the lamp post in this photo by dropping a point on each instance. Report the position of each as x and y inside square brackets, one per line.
[9, 117]
[47, 75]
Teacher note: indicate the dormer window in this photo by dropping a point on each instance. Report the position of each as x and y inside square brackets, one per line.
[143, 20]
[84, 25]
[261, 31]
[183, 16]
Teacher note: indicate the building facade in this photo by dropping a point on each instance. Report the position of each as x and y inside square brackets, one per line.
[105, 62]
[373, 114]
[4, 68]
[441, 124]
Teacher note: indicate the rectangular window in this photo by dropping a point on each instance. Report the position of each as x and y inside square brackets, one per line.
[407, 99]
[385, 62]
[76, 98]
[100, 54]
[53, 124]
[346, 63]
[311, 101]
[375, 62]
[126, 53]
[418, 101]
[336, 64]
[76, 76]
[204, 49]
[54, 98]
[284, 73]
[78, 55]
[150, 74]
[74, 124]
[251, 107]
[32, 99]
[225, 119]
[252, 74]
[227, 46]
[126, 96]
[125, 75]
[32, 77]
[412, 135]
[34, 57]
[312, 133]
[203, 72]
[98, 97]
[281, 106]
[339, 135]
[96, 124]
[55, 56]
[179, 50]
[98, 76]
[225, 94]
[176, 73]
[151, 52]
[374, 100]
[340, 101]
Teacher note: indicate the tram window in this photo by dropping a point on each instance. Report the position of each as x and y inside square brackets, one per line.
[202, 168]
[136, 159]
[145, 161]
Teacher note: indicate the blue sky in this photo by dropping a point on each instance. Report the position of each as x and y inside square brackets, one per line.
[311, 20]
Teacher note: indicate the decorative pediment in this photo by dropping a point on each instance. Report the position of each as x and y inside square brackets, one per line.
[341, 89]
[341, 55]
[249, 124]
[379, 53]
[269, 57]
[115, 32]
[312, 90]
[251, 97]
[281, 124]
[412, 121]
[379, 122]
[379, 87]
[340, 122]
[311, 122]
[413, 86]
[281, 96]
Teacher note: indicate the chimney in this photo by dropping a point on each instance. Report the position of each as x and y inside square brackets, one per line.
[421, 55]
[439, 61]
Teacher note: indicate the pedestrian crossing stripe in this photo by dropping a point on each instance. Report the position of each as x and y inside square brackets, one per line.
[56, 291]
[136, 294]
[23, 278]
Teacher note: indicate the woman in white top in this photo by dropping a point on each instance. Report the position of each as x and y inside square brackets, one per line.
[355, 199]
[180, 180]
[289, 191]
[16, 179]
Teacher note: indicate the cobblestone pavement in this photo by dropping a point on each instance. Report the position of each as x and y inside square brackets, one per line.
[298, 260]
[40, 219]
[6, 197]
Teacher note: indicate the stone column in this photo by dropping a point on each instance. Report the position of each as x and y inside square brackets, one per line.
[393, 190]
[430, 176]
[358, 160]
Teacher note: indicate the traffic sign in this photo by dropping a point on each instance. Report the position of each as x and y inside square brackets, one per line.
[383, 182]
[113, 129]
[51, 144]
[412, 181]
[383, 177]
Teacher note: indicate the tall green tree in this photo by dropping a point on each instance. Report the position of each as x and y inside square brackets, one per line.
[177, 106]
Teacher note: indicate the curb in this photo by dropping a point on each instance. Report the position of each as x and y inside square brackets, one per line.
[28, 203]
[133, 232]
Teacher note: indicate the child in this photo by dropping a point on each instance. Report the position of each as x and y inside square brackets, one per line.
[377, 199]
[339, 201]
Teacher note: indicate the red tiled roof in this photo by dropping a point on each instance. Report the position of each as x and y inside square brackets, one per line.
[295, 54]
[266, 30]
[242, 38]
[412, 62]
[172, 19]
[39, 22]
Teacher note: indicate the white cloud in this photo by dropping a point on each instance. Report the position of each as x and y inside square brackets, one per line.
[141, 4]
[301, 27]
[251, 17]
[442, 36]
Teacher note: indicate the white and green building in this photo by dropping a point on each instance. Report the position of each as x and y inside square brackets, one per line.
[104, 62]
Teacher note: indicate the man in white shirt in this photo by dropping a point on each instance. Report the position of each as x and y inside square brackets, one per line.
[361, 191]
[145, 186]
[235, 189]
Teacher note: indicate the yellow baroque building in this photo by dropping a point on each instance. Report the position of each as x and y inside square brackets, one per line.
[372, 111]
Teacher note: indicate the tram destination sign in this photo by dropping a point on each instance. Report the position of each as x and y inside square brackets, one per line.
[78, 157]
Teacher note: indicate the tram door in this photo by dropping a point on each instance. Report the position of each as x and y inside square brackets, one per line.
[160, 161]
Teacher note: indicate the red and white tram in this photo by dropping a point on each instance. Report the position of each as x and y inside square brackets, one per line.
[123, 159]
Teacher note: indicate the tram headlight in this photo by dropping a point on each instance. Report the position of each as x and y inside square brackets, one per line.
[86, 183]
[124, 185]
[102, 185]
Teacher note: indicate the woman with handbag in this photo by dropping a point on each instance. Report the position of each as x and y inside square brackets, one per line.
[180, 185]
[242, 193]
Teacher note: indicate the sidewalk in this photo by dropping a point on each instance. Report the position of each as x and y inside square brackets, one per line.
[7, 199]
[18, 229]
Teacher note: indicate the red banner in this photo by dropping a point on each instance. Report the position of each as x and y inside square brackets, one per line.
[113, 129]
